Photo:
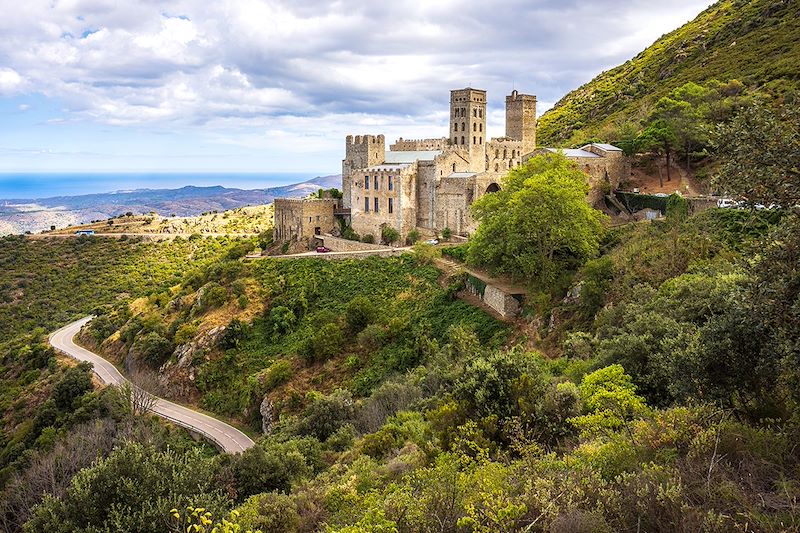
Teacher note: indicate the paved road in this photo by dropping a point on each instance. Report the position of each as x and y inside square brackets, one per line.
[226, 437]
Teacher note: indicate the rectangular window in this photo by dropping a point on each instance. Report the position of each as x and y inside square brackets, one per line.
[366, 182]
[376, 183]
[391, 185]
[376, 204]
[391, 205]
[366, 204]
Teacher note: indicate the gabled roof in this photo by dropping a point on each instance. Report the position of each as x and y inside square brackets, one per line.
[606, 147]
[573, 152]
[411, 156]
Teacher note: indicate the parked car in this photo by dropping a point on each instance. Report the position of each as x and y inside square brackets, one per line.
[432, 241]
[322, 250]
[727, 203]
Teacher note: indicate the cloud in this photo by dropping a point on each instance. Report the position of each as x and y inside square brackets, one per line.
[10, 81]
[252, 64]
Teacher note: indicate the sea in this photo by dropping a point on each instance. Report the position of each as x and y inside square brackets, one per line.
[31, 186]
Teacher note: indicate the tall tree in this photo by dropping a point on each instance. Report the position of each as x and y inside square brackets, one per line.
[538, 224]
[760, 155]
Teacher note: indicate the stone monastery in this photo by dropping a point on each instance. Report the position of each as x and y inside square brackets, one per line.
[429, 184]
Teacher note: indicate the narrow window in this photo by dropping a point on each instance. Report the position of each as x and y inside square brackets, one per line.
[505, 154]
[462, 140]
[473, 140]
[454, 167]
[496, 167]
[480, 140]
[475, 113]
[366, 204]
[497, 153]
[391, 205]
[376, 204]
[474, 126]
[391, 184]
[463, 126]
[376, 183]
[366, 182]
[513, 154]
[480, 127]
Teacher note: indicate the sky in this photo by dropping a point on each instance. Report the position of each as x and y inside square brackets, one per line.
[276, 85]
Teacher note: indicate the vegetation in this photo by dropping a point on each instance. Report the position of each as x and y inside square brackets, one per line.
[539, 224]
[756, 42]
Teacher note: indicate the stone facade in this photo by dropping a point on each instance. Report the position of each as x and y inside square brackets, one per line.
[301, 219]
[430, 184]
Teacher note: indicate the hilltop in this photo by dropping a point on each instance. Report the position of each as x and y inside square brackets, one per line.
[756, 42]
[35, 215]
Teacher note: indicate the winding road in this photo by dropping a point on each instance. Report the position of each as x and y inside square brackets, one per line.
[226, 437]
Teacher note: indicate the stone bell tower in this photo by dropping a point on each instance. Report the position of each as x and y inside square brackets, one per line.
[468, 125]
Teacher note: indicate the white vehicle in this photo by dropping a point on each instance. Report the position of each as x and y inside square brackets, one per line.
[727, 203]
[432, 241]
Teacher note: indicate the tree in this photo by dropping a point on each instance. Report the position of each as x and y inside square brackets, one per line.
[660, 137]
[610, 399]
[759, 152]
[539, 224]
[389, 235]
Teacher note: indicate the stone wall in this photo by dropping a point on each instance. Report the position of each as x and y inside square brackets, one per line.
[397, 204]
[409, 145]
[505, 304]
[300, 219]
[361, 151]
[503, 154]
[521, 120]
[337, 244]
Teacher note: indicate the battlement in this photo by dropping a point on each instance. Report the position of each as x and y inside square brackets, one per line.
[364, 140]
[413, 145]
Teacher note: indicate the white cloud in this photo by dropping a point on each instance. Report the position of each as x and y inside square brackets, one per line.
[10, 81]
[302, 63]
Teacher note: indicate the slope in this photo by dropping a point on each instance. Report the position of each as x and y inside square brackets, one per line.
[755, 41]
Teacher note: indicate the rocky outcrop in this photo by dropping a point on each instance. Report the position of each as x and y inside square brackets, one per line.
[178, 375]
[266, 410]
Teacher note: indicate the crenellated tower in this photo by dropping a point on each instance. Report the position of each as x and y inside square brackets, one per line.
[361, 151]
[521, 120]
[468, 125]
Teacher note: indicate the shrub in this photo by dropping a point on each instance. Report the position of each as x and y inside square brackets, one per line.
[389, 235]
[359, 313]
[278, 373]
[446, 234]
[372, 337]
[326, 414]
[369, 238]
[76, 382]
[269, 511]
[412, 237]
[154, 348]
[234, 333]
[425, 253]
[185, 333]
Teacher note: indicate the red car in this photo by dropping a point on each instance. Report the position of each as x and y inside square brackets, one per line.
[322, 250]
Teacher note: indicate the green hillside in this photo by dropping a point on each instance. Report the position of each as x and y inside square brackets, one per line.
[756, 42]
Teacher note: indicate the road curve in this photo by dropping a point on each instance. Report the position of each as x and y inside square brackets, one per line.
[226, 437]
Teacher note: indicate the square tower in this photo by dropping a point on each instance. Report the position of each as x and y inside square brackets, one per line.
[468, 125]
[521, 120]
[361, 151]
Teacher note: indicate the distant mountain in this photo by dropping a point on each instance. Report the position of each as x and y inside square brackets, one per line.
[754, 41]
[21, 215]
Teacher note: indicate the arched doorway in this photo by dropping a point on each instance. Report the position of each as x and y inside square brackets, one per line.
[493, 187]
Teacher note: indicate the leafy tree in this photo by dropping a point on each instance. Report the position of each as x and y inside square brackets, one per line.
[133, 489]
[539, 224]
[326, 414]
[660, 137]
[759, 152]
[610, 399]
[75, 383]
[359, 313]
[153, 348]
[389, 235]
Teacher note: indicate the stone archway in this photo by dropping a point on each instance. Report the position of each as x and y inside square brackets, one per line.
[493, 187]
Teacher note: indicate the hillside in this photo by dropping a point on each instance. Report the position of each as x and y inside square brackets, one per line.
[35, 215]
[247, 220]
[756, 42]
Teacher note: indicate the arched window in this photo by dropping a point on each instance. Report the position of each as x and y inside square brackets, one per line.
[455, 140]
[473, 140]
[480, 128]
[513, 154]
[463, 126]
[454, 167]
[480, 140]
[474, 126]
[497, 167]
[496, 153]
[505, 154]
[462, 140]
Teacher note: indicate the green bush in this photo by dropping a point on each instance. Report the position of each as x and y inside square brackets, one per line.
[412, 237]
[185, 333]
[278, 373]
[368, 238]
[389, 235]
[153, 348]
[359, 313]
[326, 414]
